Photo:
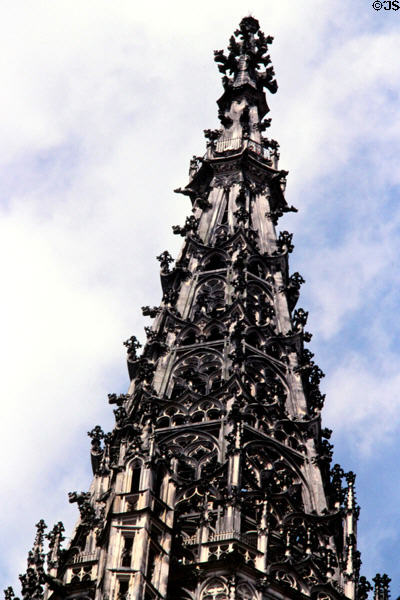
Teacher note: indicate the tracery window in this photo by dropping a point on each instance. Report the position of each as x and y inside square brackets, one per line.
[259, 305]
[206, 411]
[266, 469]
[81, 573]
[195, 453]
[172, 415]
[215, 590]
[244, 592]
[210, 297]
[200, 373]
[266, 383]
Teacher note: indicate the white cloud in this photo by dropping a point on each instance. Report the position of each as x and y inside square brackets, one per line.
[364, 402]
[343, 276]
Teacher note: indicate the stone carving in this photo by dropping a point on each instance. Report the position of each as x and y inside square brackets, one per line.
[203, 203]
[165, 259]
[381, 590]
[170, 297]
[210, 299]
[284, 242]
[254, 48]
[212, 134]
[132, 345]
[195, 163]
[120, 416]
[118, 400]
[55, 538]
[150, 312]
[32, 584]
[364, 587]
[190, 226]
[300, 319]
[90, 518]
[242, 215]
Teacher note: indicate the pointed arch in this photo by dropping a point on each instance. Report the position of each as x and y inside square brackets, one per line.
[209, 296]
[173, 413]
[215, 261]
[188, 336]
[195, 453]
[215, 589]
[207, 409]
[245, 591]
[134, 472]
[215, 331]
[276, 469]
[257, 267]
[254, 338]
[260, 302]
[200, 371]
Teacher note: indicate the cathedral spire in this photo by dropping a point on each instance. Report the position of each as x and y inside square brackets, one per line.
[216, 481]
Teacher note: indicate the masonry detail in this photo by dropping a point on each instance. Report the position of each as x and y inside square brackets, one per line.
[216, 482]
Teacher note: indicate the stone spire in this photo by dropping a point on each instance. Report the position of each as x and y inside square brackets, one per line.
[216, 481]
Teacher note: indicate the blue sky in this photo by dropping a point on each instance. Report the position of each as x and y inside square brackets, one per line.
[102, 107]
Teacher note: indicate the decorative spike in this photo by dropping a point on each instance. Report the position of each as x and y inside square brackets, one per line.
[9, 594]
[36, 556]
[132, 345]
[150, 312]
[165, 259]
[351, 499]
[363, 588]
[381, 589]
[55, 537]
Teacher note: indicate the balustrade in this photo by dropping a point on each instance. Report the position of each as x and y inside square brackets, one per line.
[241, 143]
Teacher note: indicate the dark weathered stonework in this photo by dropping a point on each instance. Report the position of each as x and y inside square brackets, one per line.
[216, 482]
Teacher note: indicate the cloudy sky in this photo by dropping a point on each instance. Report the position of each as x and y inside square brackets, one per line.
[102, 106]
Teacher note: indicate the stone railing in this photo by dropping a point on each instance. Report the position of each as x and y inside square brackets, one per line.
[83, 557]
[225, 145]
[241, 143]
[249, 539]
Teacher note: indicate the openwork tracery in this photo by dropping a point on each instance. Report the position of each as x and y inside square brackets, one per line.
[199, 373]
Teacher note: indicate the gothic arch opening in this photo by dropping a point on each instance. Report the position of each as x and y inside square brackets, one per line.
[195, 453]
[256, 267]
[260, 305]
[134, 476]
[216, 589]
[245, 592]
[215, 262]
[198, 372]
[188, 337]
[210, 297]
